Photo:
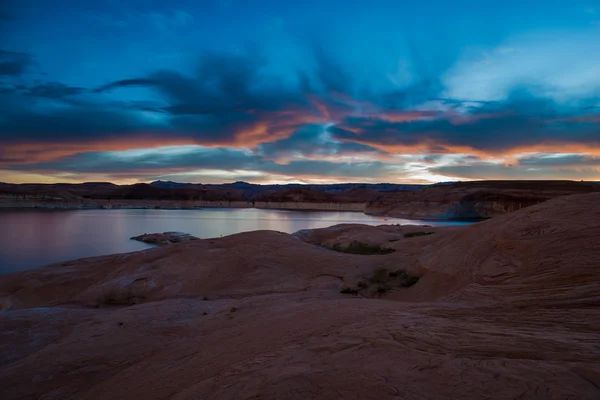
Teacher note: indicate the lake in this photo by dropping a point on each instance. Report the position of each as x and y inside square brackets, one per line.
[31, 238]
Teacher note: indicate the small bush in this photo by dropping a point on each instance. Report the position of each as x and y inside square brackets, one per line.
[383, 288]
[381, 281]
[410, 280]
[417, 234]
[114, 298]
[384, 280]
[362, 248]
[347, 290]
[119, 296]
[380, 275]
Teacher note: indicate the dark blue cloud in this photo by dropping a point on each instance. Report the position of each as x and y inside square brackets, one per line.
[482, 171]
[231, 101]
[312, 141]
[562, 161]
[522, 121]
[53, 90]
[14, 63]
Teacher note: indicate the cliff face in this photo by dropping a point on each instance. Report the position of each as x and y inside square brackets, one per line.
[61, 203]
[181, 197]
[473, 200]
[10, 201]
[316, 206]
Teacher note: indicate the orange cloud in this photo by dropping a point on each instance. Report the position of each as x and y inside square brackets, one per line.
[34, 152]
[406, 116]
[428, 146]
[274, 126]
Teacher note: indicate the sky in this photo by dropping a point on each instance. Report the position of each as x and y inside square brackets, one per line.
[311, 91]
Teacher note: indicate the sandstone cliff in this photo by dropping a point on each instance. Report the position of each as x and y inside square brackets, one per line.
[105, 195]
[506, 308]
[473, 200]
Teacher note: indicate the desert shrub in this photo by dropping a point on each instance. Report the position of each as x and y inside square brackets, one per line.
[382, 281]
[380, 275]
[417, 234]
[115, 296]
[362, 248]
[112, 297]
[348, 290]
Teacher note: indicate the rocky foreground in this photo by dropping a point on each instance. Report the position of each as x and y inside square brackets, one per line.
[507, 308]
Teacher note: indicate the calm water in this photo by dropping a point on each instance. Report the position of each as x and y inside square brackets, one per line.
[32, 238]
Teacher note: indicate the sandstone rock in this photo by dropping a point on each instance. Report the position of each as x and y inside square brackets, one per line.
[473, 200]
[506, 308]
[164, 238]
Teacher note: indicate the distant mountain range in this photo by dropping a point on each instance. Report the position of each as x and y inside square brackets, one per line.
[476, 199]
[237, 191]
[251, 189]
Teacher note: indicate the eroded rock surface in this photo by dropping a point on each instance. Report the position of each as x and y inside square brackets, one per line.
[473, 200]
[506, 308]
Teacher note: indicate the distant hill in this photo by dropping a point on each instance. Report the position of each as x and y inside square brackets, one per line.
[176, 191]
[251, 191]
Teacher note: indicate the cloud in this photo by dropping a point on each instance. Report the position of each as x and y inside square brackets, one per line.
[522, 122]
[12, 155]
[14, 63]
[124, 83]
[561, 160]
[559, 65]
[479, 171]
[62, 123]
[313, 142]
[315, 122]
[53, 90]
[151, 163]
[228, 101]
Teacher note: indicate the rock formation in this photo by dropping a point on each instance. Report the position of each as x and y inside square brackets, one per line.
[473, 200]
[164, 238]
[173, 195]
[506, 308]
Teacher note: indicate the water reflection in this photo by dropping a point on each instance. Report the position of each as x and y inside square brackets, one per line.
[31, 238]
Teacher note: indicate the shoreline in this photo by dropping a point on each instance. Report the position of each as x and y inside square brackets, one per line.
[86, 204]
